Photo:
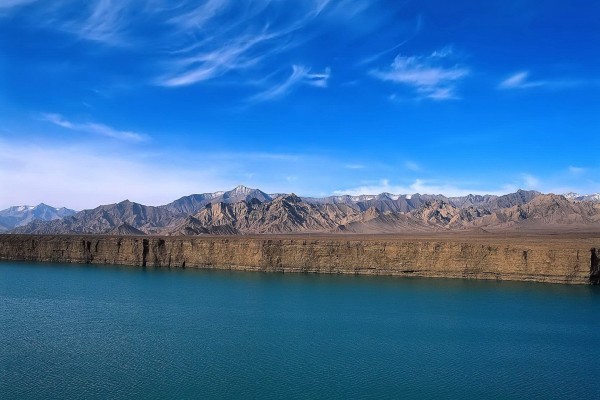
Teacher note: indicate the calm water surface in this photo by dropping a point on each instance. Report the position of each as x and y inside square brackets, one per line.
[69, 331]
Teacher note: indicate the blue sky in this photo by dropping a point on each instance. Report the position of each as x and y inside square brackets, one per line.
[102, 100]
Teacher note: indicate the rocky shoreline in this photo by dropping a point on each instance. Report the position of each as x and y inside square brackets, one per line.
[570, 259]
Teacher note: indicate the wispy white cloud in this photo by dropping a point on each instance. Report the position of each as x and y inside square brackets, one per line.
[106, 22]
[418, 25]
[191, 42]
[576, 170]
[291, 158]
[300, 75]
[434, 76]
[354, 166]
[530, 181]
[521, 80]
[412, 166]
[200, 14]
[320, 5]
[217, 49]
[240, 53]
[10, 4]
[58, 120]
[421, 186]
[94, 128]
[442, 94]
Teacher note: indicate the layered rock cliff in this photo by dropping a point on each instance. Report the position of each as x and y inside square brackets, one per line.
[545, 259]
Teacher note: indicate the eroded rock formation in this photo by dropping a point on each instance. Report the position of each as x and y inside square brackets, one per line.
[250, 211]
[545, 259]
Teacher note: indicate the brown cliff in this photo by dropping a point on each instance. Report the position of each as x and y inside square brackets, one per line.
[545, 258]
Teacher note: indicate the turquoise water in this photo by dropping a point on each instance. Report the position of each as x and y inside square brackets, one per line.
[69, 331]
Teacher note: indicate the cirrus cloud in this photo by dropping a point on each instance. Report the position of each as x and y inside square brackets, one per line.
[300, 75]
[94, 128]
[434, 76]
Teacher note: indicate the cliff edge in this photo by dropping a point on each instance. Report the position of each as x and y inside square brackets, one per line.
[544, 258]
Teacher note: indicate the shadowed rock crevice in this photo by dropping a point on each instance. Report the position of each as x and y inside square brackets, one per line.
[145, 249]
[161, 257]
[595, 267]
[87, 252]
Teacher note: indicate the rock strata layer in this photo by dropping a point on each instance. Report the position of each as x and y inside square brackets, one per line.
[544, 259]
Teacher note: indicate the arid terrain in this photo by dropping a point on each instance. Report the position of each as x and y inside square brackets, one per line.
[251, 211]
[525, 235]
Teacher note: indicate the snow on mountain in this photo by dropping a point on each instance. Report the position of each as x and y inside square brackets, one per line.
[15, 216]
[248, 210]
[591, 197]
[595, 197]
[193, 203]
[363, 197]
[571, 195]
[22, 208]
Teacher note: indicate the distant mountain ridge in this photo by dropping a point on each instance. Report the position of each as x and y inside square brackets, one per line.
[405, 203]
[583, 197]
[244, 210]
[16, 216]
[193, 203]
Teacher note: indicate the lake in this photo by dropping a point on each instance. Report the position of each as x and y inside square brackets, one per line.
[96, 332]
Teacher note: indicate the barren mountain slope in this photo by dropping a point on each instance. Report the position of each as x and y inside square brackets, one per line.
[543, 210]
[284, 214]
[105, 219]
[189, 205]
[250, 211]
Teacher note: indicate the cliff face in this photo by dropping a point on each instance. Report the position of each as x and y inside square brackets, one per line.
[595, 267]
[544, 259]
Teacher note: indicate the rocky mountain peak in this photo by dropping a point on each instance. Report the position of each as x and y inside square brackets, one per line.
[247, 210]
[241, 189]
[291, 198]
[241, 193]
[594, 198]
[571, 195]
[18, 216]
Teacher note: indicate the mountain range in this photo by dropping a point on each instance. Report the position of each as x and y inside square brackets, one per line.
[251, 211]
[17, 216]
